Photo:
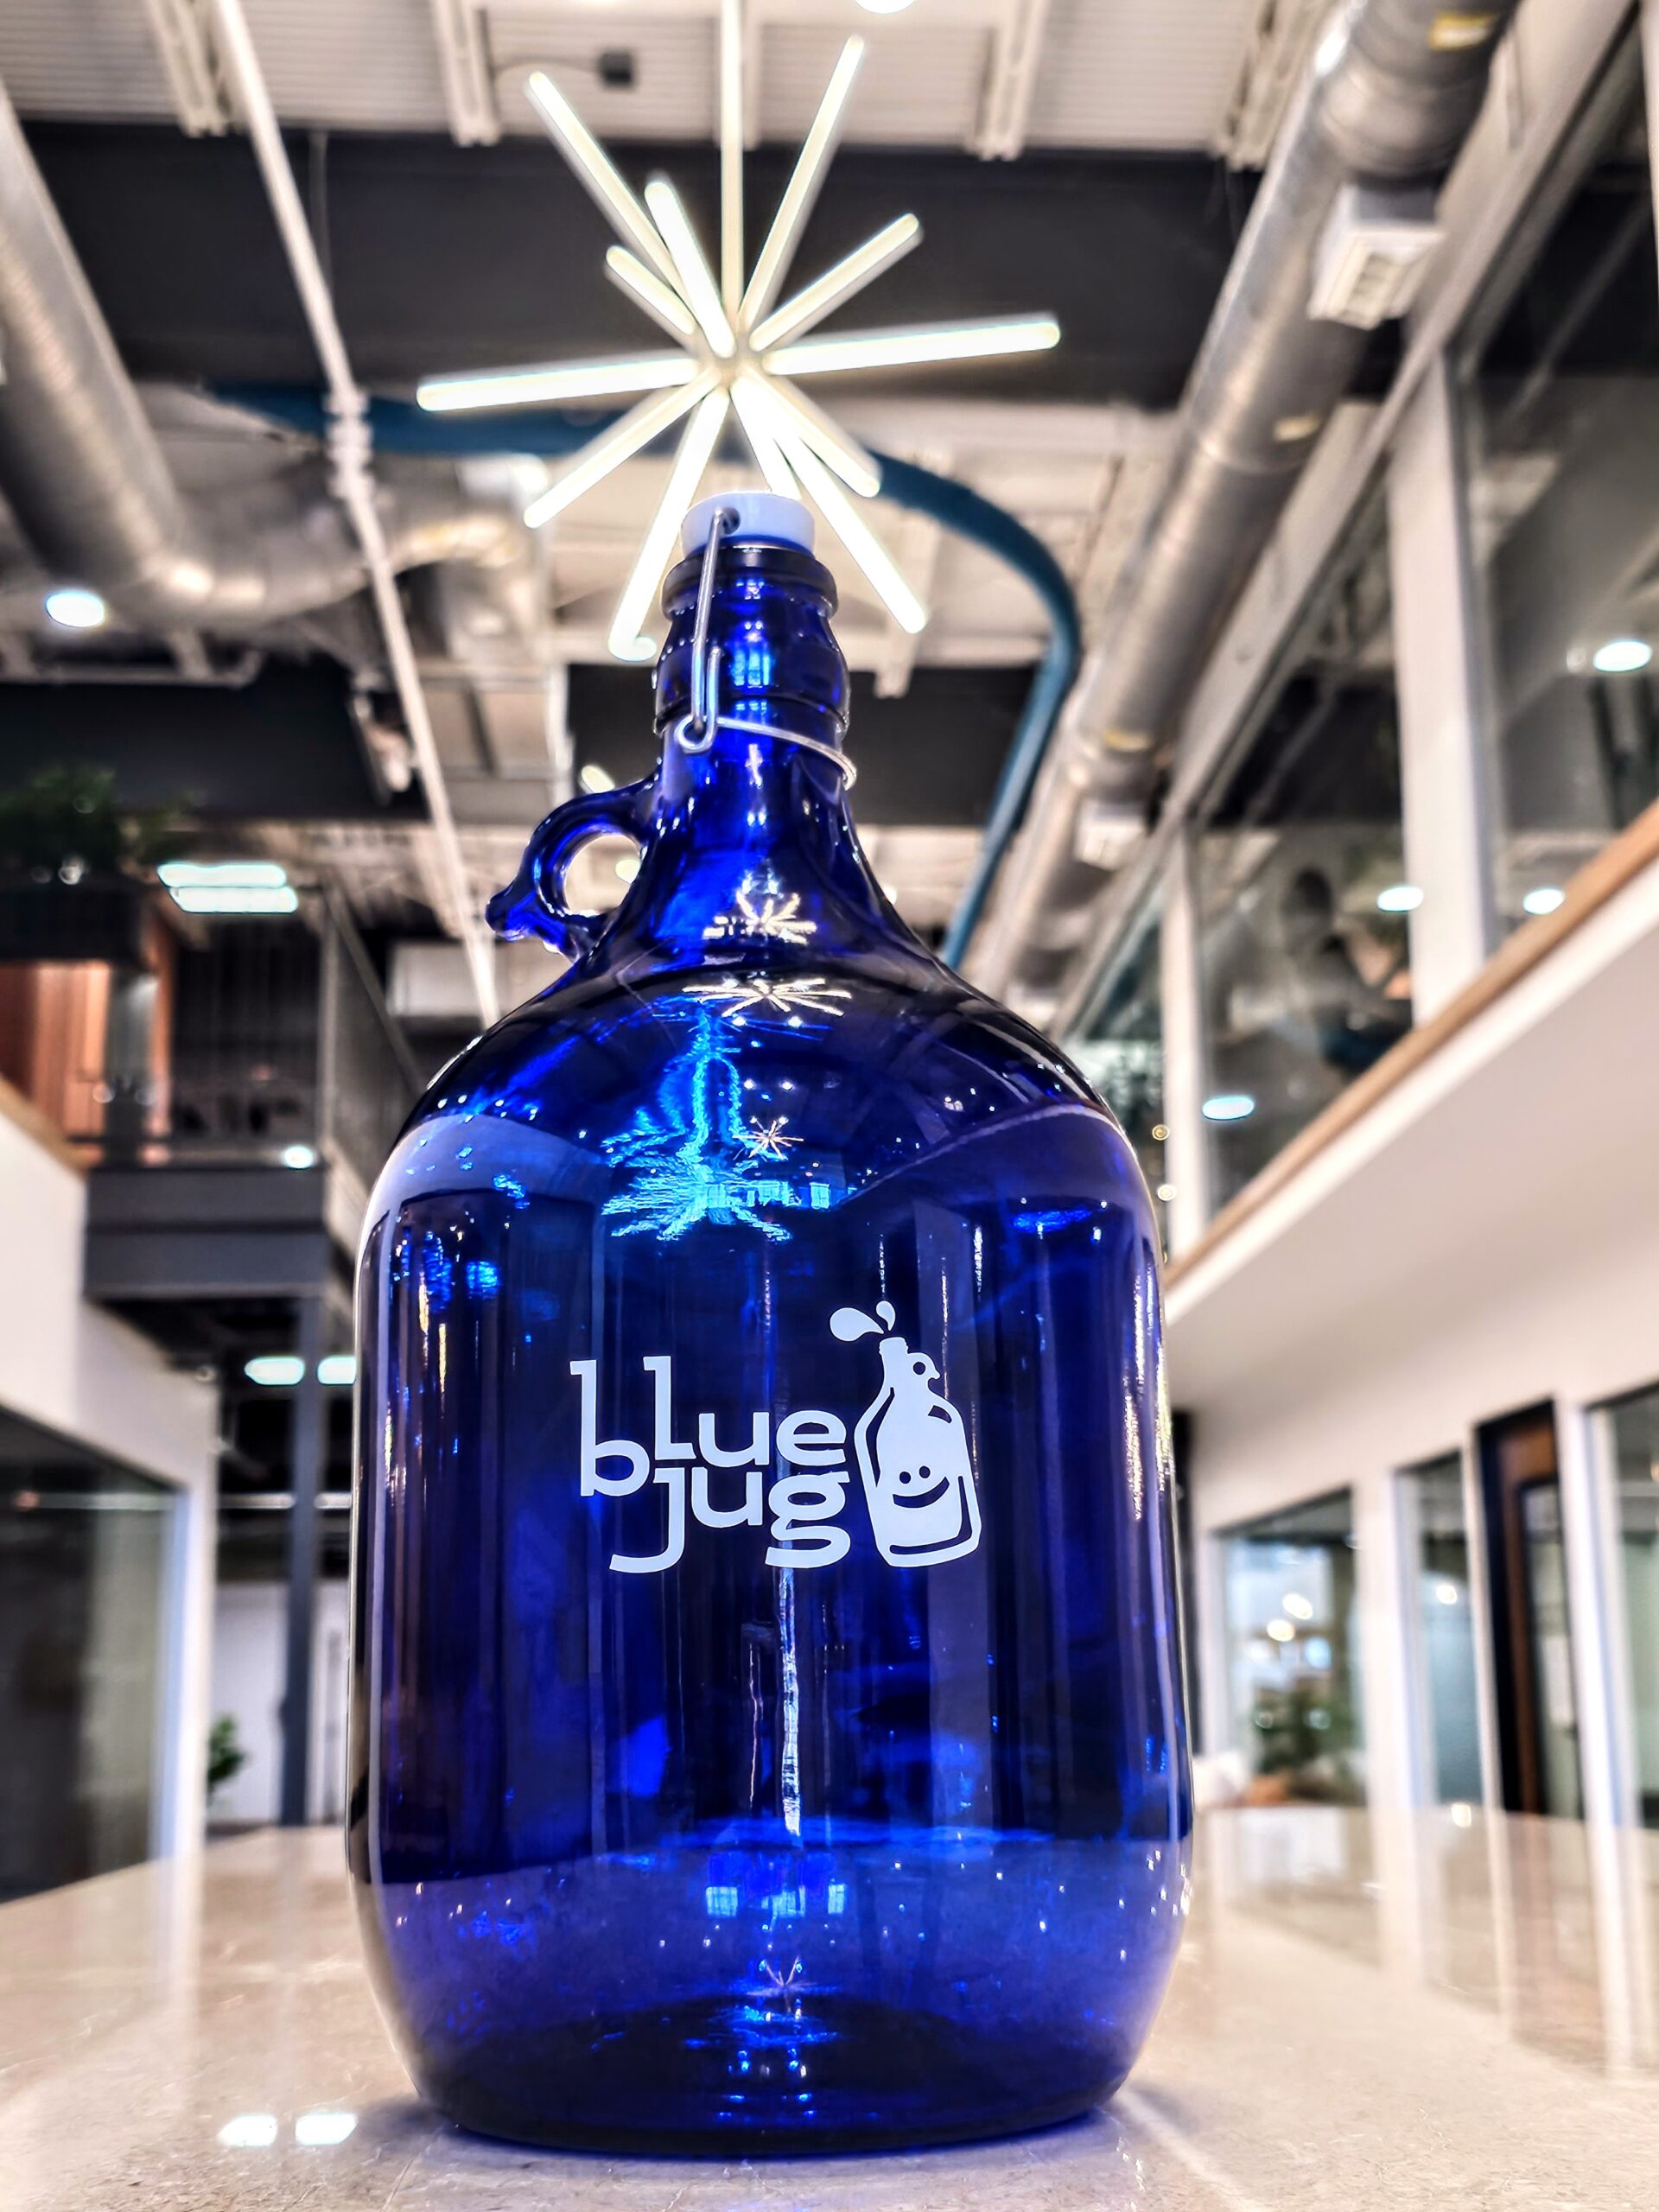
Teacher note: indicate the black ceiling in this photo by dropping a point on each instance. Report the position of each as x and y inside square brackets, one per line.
[446, 257]
[286, 748]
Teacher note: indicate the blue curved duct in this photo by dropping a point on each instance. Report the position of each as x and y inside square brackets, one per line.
[399, 426]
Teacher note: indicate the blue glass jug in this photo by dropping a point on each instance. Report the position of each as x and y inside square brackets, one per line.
[766, 1727]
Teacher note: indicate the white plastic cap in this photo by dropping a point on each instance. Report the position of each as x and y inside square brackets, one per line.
[765, 515]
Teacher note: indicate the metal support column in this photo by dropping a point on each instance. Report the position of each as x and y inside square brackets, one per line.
[1442, 767]
[307, 1445]
[1187, 1152]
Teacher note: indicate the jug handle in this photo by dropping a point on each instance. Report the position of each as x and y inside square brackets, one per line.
[533, 904]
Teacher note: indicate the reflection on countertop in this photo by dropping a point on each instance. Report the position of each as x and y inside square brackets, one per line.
[1371, 2011]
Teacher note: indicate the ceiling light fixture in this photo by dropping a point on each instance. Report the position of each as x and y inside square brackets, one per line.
[275, 1370]
[1399, 898]
[72, 608]
[1622, 656]
[1229, 1106]
[229, 887]
[739, 345]
[1544, 901]
[884, 7]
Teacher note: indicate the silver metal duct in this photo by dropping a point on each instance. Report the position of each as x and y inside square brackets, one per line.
[86, 477]
[1392, 90]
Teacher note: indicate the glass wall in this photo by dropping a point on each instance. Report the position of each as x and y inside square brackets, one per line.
[1293, 1640]
[1437, 1553]
[1120, 1050]
[1561, 416]
[1302, 901]
[1630, 1448]
[84, 1556]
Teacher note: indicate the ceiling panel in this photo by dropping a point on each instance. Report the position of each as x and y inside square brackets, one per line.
[361, 65]
[81, 57]
[673, 93]
[1122, 72]
[1113, 72]
[917, 88]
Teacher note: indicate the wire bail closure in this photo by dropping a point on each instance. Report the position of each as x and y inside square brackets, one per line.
[695, 731]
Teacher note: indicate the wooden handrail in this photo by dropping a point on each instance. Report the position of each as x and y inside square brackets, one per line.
[1617, 863]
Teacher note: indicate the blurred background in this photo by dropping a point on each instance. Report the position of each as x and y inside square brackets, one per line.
[1282, 740]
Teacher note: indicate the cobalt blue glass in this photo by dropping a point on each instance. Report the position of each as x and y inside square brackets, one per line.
[767, 1730]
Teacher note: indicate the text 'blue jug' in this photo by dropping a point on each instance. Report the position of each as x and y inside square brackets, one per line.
[767, 1724]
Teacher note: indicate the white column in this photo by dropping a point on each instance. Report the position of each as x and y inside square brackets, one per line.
[1394, 1761]
[1187, 1152]
[179, 1824]
[1441, 754]
[1593, 1611]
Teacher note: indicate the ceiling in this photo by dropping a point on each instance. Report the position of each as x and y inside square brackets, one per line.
[1105, 73]
[456, 237]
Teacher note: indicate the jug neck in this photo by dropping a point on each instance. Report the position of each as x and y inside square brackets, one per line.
[751, 842]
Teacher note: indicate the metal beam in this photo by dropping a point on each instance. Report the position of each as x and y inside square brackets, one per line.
[185, 41]
[464, 61]
[354, 481]
[1010, 81]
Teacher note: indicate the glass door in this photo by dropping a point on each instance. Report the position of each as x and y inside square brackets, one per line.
[1537, 1712]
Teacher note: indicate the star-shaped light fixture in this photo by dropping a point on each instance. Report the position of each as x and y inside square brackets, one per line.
[737, 350]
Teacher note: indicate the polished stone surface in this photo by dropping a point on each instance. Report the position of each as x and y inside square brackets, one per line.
[1369, 2014]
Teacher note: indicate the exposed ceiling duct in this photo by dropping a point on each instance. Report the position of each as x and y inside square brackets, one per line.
[1391, 91]
[90, 488]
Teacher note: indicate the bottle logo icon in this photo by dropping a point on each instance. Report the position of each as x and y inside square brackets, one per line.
[913, 1452]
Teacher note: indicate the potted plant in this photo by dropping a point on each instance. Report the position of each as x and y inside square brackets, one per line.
[72, 868]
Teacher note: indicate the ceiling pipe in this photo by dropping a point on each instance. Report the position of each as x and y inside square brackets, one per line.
[1392, 90]
[85, 476]
[349, 450]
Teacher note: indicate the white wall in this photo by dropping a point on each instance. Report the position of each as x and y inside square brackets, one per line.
[249, 1632]
[1485, 1237]
[74, 1369]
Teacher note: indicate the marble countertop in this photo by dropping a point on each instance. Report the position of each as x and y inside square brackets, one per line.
[1369, 2013]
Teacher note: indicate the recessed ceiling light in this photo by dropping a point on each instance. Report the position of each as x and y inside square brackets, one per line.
[338, 1371]
[884, 7]
[1545, 900]
[229, 887]
[274, 1371]
[1399, 898]
[75, 609]
[1622, 655]
[1229, 1106]
[593, 779]
[298, 1156]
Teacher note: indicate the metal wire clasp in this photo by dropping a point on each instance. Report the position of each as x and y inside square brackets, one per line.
[695, 731]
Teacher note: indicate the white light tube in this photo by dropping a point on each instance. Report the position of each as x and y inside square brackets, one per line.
[594, 167]
[768, 454]
[554, 381]
[938, 341]
[696, 447]
[861, 543]
[697, 279]
[802, 189]
[855, 467]
[837, 285]
[648, 291]
[612, 447]
[731, 155]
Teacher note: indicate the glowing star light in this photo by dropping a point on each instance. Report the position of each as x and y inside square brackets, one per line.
[747, 996]
[772, 915]
[766, 1140]
[740, 348]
